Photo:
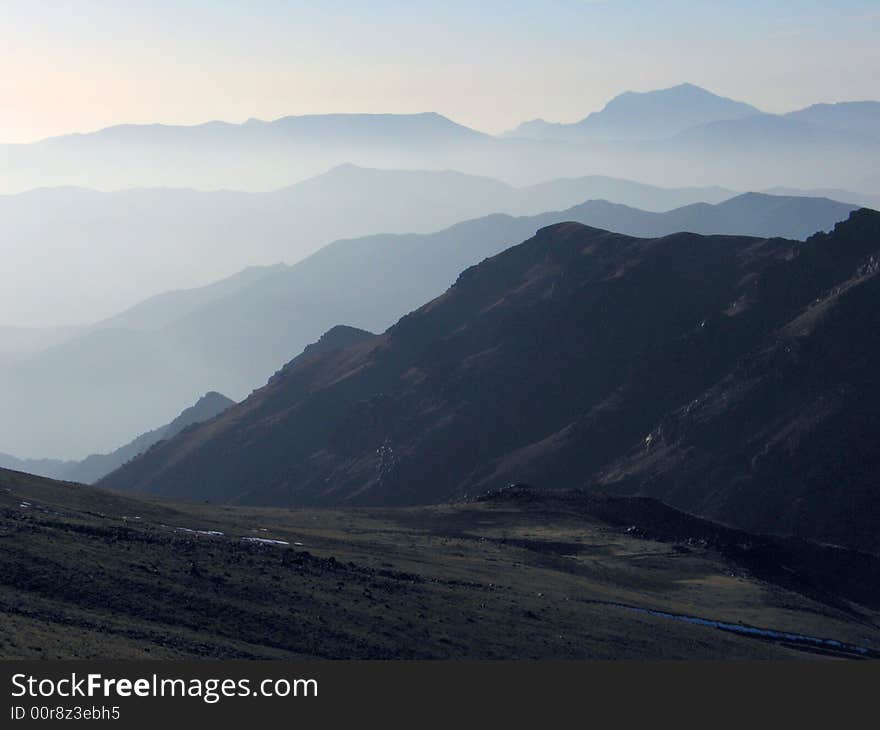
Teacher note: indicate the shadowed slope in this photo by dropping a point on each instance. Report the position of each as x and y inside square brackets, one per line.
[547, 363]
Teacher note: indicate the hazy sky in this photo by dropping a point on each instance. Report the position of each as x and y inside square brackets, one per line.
[77, 65]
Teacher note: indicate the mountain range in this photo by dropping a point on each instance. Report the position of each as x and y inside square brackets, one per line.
[130, 244]
[232, 335]
[730, 376]
[679, 136]
[643, 116]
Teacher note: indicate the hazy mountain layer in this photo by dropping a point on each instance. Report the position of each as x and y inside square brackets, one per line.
[643, 116]
[646, 136]
[857, 117]
[131, 244]
[233, 335]
[95, 466]
[728, 375]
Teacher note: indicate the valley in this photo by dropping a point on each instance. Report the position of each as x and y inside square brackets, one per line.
[87, 573]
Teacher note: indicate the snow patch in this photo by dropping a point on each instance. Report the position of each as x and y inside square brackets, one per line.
[264, 541]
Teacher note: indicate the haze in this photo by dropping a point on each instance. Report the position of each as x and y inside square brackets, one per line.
[86, 64]
[367, 155]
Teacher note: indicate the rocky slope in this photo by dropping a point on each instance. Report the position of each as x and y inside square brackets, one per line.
[730, 376]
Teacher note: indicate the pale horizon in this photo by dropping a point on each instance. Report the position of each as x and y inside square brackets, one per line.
[195, 122]
[84, 66]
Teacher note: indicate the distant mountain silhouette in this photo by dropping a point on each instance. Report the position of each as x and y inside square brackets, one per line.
[857, 117]
[93, 467]
[52, 468]
[328, 128]
[763, 129]
[254, 155]
[133, 243]
[687, 136]
[750, 214]
[644, 116]
[730, 376]
[21, 342]
[236, 340]
[865, 200]
[567, 192]
[632, 137]
[771, 146]
[167, 307]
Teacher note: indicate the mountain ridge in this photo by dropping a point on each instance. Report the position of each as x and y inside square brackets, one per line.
[235, 342]
[630, 137]
[453, 400]
[644, 115]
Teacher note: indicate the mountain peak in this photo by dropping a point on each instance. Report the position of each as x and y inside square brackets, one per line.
[702, 105]
[644, 115]
[213, 397]
[342, 335]
[338, 337]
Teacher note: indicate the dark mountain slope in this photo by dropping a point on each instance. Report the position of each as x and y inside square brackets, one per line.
[547, 360]
[233, 341]
[337, 338]
[787, 439]
[548, 363]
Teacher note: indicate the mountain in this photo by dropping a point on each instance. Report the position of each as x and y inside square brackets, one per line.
[637, 135]
[730, 376]
[770, 147]
[18, 342]
[167, 307]
[865, 200]
[567, 192]
[338, 338]
[857, 117]
[750, 214]
[95, 466]
[688, 136]
[131, 244]
[255, 155]
[767, 129]
[643, 116]
[51, 468]
[241, 332]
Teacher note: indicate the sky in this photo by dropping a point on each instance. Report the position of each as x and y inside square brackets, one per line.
[79, 65]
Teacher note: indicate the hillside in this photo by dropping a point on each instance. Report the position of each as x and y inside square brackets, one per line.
[88, 574]
[461, 396]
